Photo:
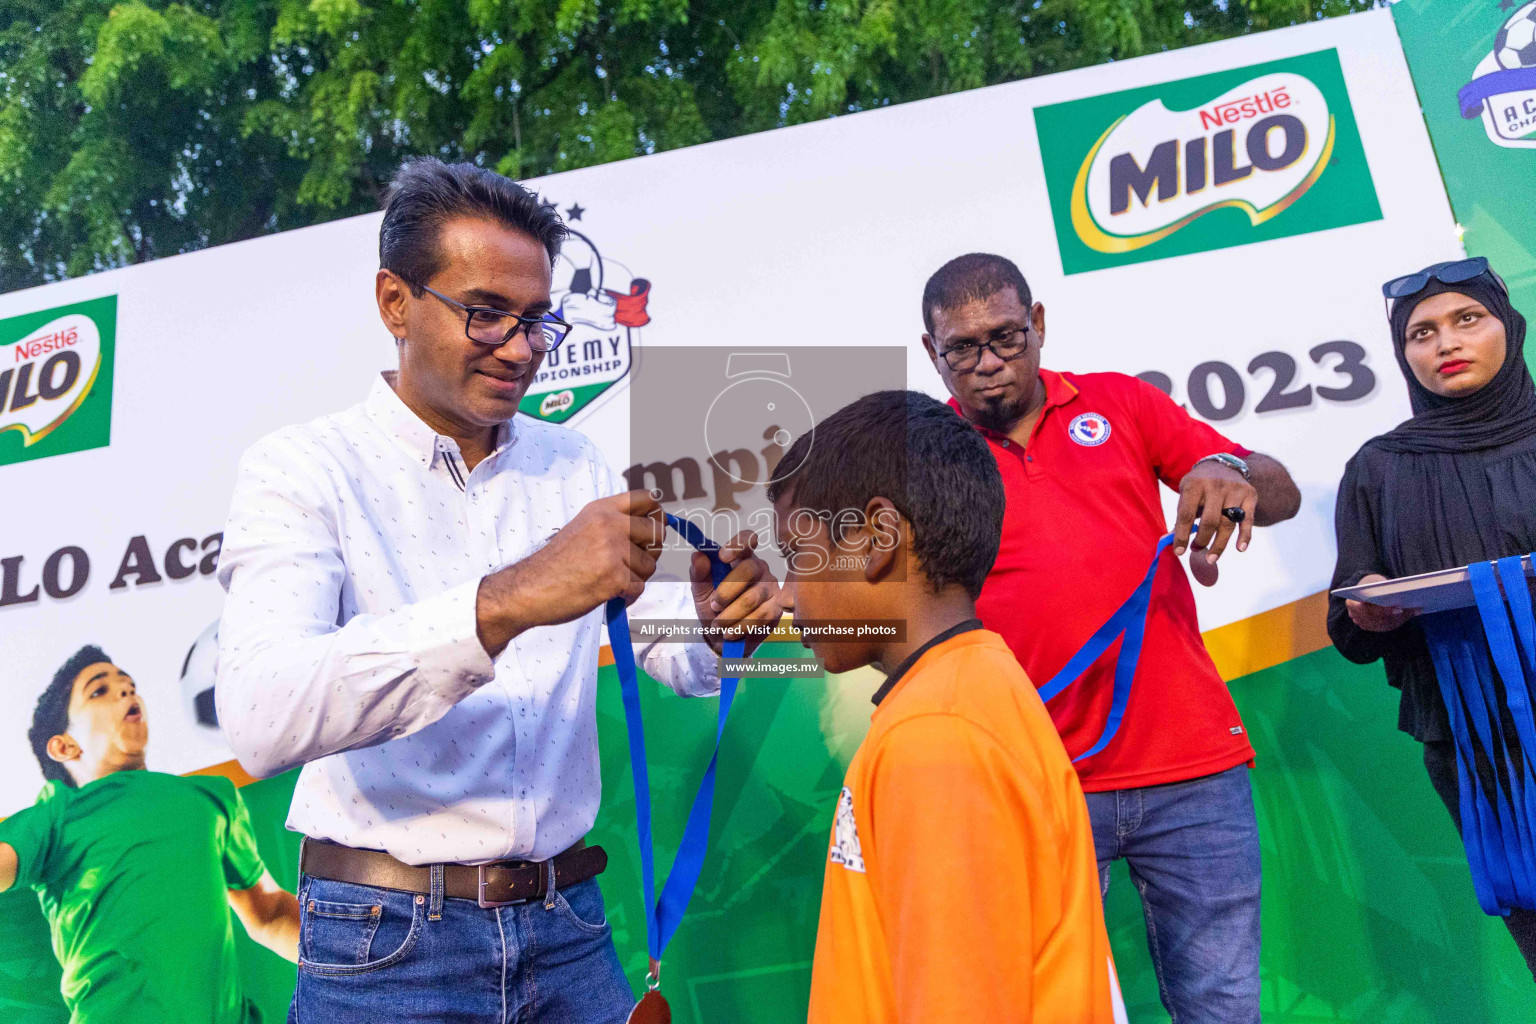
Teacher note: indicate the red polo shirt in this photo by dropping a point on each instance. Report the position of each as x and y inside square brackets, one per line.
[1083, 517]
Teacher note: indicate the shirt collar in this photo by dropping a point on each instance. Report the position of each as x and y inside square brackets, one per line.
[1058, 391]
[410, 431]
[911, 659]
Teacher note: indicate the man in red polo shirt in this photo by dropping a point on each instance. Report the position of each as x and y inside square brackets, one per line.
[1081, 457]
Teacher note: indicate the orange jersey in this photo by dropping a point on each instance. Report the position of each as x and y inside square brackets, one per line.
[961, 883]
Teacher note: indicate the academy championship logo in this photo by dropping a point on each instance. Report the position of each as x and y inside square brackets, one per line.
[606, 307]
[1204, 163]
[1503, 88]
[56, 380]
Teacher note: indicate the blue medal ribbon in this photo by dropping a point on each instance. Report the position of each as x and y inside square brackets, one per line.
[1466, 646]
[1130, 619]
[664, 915]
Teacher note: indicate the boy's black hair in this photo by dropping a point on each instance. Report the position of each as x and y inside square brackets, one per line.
[919, 453]
[970, 278]
[426, 192]
[51, 716]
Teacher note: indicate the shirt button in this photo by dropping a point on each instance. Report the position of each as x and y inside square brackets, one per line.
[1029, 458]
[1005, 444]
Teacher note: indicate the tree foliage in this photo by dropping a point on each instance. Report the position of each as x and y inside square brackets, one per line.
[132, 129]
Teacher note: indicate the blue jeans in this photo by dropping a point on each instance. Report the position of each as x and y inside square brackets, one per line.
[1193, 851]
[377, 956]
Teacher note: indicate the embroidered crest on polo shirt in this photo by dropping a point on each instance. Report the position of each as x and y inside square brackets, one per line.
[845, 835]
[1090, 429]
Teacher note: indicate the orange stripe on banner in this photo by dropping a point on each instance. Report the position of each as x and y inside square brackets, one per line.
[1269, 638]
[231, 770]
[1239, 648]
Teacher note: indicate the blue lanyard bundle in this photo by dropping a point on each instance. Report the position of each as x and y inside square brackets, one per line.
[664, 915]
[1130, 619]
[1498, 830]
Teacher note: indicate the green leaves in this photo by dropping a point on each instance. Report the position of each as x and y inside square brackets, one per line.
[131, 129]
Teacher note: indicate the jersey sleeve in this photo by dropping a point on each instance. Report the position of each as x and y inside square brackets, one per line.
[35, 836]
[1175, 440]
[953, 882]
[242, 861]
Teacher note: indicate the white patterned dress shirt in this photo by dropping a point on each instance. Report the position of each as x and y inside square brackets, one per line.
[353, 553]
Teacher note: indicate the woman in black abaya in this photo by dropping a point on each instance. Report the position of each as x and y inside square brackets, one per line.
[1453, 485]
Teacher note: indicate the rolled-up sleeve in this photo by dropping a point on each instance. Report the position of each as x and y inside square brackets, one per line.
[690, 668]
[293, 684]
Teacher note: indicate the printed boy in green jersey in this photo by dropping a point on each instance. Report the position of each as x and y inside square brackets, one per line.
[137, 871]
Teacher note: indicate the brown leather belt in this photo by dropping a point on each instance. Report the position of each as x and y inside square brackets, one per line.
[490, 885]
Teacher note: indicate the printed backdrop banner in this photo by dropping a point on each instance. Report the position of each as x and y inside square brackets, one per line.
[1474, 63]
[1218, 221]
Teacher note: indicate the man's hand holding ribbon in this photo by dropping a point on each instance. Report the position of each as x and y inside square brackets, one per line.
[609, 550]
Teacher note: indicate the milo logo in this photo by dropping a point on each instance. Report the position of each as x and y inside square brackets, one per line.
[1205, 163]
[55, 380]
[557, 402]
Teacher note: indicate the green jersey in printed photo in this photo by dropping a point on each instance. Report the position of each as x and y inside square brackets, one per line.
[132, 871]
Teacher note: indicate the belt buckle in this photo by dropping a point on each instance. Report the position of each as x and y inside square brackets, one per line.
[486, 904]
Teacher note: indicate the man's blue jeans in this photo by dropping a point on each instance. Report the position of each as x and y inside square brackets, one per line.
[377, 956]
[1193, 851]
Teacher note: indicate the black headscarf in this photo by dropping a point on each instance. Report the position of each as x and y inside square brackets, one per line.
[1503, 410]
[1439, 510]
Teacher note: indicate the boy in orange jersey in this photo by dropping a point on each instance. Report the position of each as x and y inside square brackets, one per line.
[961, 882]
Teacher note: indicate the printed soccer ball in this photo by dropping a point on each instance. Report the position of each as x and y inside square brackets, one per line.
[1516, 45]
[198, 670]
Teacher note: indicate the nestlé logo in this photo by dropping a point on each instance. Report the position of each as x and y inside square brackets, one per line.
[1163, 160]
[51, 364]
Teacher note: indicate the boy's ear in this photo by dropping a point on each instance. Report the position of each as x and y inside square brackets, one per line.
[62, 748]
[884, 528]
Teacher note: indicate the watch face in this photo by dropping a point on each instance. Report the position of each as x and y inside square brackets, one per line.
[763, 415]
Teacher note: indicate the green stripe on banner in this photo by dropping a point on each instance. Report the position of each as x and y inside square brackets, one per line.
[1369, 915]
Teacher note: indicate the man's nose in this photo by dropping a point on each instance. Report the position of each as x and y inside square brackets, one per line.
[787, 596]
[515, 349]
[990, 362]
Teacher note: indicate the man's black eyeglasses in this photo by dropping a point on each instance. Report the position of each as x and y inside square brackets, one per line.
[1008, 343]
[484, 325]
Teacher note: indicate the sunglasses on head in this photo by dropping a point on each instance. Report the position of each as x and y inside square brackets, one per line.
[1454, 272]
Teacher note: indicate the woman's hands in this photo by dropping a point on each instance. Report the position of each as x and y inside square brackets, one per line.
[1375, 617]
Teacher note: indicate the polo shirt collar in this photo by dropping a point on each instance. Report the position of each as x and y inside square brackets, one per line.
[1058, 391]
[911, 659]
[410, 431]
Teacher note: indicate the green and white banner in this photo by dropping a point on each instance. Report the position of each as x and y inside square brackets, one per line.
[1217, 220]
[1474, 64]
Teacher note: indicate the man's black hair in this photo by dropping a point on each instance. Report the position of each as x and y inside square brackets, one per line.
[919, 453]
[51, 716]
[970, 278]
[427, 192]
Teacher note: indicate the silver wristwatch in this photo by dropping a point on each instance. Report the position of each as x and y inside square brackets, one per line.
[1228, 460]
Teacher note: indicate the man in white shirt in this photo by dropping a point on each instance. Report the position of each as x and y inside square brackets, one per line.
[415, 604]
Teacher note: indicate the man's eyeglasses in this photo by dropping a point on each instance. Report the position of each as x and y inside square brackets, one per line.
[1008, 343]
[484, 325]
